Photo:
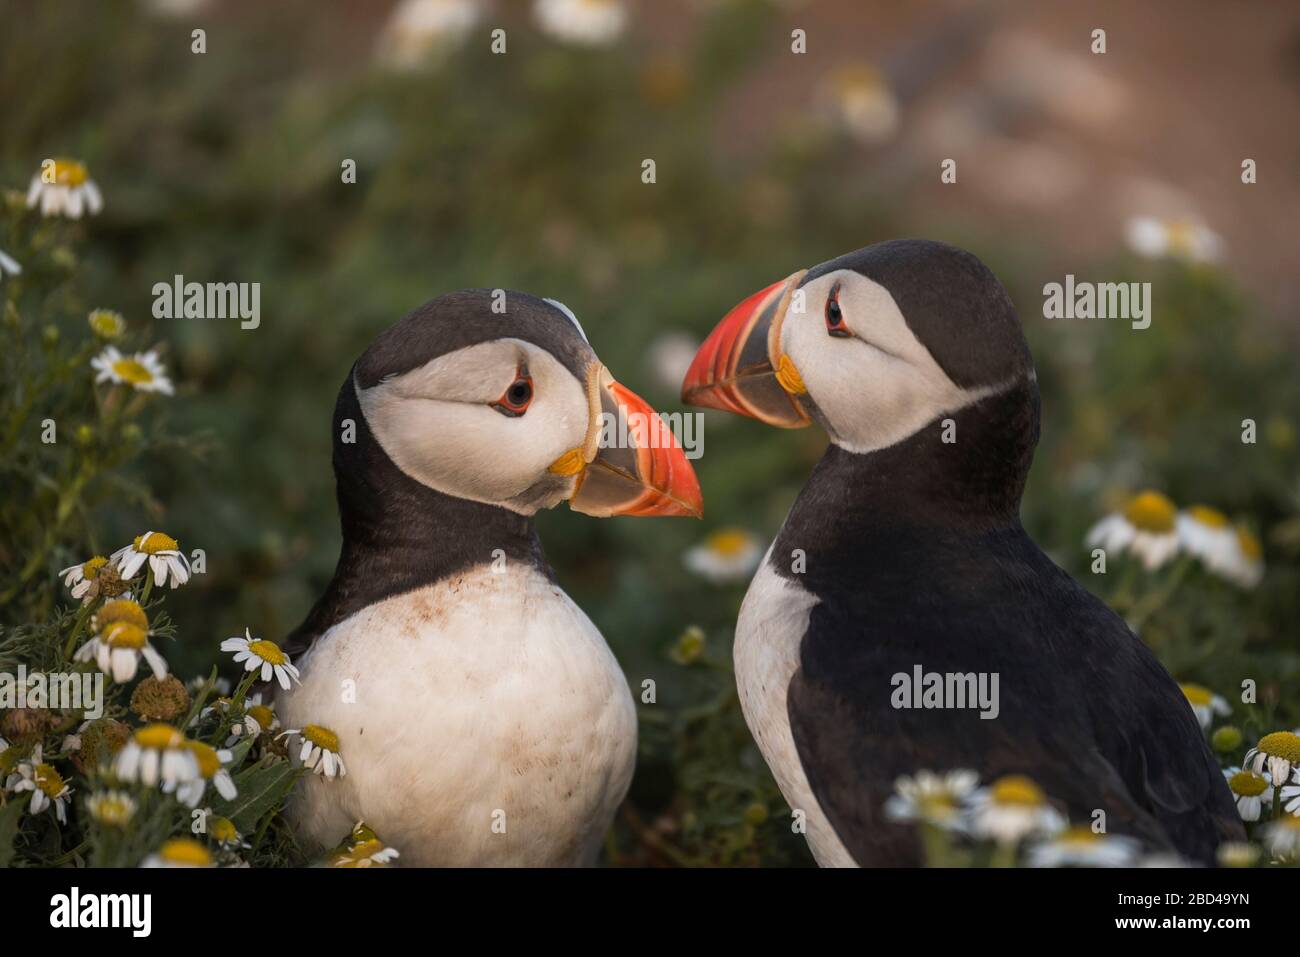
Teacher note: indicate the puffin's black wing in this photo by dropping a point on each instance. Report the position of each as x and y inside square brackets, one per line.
[1084, 708]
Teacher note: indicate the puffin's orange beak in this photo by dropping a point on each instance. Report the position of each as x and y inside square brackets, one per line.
[636, 466]
[740, 367]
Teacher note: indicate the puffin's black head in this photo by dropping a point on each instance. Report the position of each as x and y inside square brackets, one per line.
[875, 346]
[506, 407]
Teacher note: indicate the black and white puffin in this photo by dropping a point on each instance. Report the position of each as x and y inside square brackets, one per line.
[482, 718]
[905, 550]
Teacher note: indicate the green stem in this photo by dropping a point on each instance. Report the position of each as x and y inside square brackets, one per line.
[82, 615]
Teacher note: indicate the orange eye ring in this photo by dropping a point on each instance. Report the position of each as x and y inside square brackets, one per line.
[518, 396]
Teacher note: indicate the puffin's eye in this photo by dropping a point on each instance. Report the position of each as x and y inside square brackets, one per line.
[515, 400]
[835, 316]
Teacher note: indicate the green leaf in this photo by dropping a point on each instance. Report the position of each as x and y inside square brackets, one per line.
[10, 815]
[261, 789]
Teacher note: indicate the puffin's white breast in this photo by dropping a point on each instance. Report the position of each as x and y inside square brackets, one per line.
[771, 626]
[483, 721]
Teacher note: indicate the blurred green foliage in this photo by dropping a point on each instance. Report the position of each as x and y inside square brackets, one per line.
[524, 171]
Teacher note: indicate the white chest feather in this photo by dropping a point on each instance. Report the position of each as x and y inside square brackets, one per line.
[483, 721]
[773, 619]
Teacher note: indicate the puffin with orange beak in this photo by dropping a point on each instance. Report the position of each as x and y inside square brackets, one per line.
[478, 716]
[903, 620]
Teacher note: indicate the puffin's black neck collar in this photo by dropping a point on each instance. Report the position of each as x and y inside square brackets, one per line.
[918, 490]
[399, 534]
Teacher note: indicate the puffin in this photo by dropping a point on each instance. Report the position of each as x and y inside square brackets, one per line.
[904, 555]
[479, 716]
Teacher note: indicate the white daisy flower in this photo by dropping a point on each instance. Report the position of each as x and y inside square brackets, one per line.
[176, 8]
[934, 798]
[1146, 527]
[1279, 751]
[179, 852]
[156, 752]
[1248, 569]
[728, 555]
[1252, 791]
[223, 831]
[320, 750]
[1173, 239]
[858, 99]
[221, 686]
[1291, 794]
[71, 743]
[1283, 836]
[106, 323]
[257, 717]
[260, 653]
[1011, 810]
[585, 22]
[1237, 854]
[143, 371]
[163, 554]
[46, 784]
[70, 193]
[210, 763]
[1229, 552]
[418, 31]
[80, 578]
[1205, 703]
[669, 358]
[112, 808]
[121, 638]
[372, 853]
[9, 265]
[1082, 847]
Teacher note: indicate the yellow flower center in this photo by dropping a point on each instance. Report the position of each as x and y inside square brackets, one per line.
[1016, 789]
[728, 542]
[857, 79]
[1249, 544]
[223, 829]
[1210, 517]
[268, 651]
[106, 323]
[1079, 836]
[154, 542]
[1281, 744]
[938, 805]
[1197, 694]
[1181, 234]
[111, 810]
[1151, 512]
[49, 780]
[123, 634]
[321, 737]
[68, 172]
[132, 370]
[91, 568]
[209, 763]
[121, 610]
[1247, 784]
[263, 715]
[182, 850]
[159, 737]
